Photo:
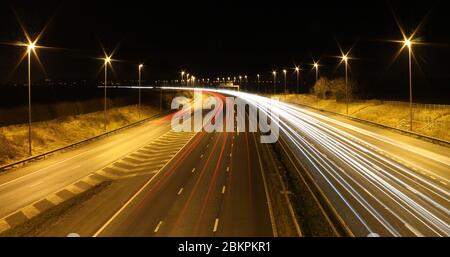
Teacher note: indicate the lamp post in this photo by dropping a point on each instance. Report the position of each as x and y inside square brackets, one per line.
[285, 78]
[257, 82]
[345, 60]
[181, 81]
[274, 81]
[297, 70]
[30, 47]
[316, 66]
[407, 42]
[139, 102]
[107, 61]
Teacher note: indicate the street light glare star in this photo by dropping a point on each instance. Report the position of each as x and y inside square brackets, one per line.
[316, 65]
[407, 43]
[345, 58]
[297, 69]
[31, 46]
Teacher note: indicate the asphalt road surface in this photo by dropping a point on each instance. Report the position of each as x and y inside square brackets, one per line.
[35, 181]
[380, 183]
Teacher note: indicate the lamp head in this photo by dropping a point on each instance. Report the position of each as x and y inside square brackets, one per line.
[407, 42]
[31, 46]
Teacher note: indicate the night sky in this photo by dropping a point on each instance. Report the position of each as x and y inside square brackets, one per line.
[223, 38]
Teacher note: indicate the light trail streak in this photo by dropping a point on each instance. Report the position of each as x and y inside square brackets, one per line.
[376, 191]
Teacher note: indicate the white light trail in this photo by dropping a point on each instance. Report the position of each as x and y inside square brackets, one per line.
[376, 189]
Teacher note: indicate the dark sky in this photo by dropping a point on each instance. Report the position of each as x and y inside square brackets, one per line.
[222, 38]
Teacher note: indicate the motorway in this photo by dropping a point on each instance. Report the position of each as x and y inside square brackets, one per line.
[380, 183]
[212, 186]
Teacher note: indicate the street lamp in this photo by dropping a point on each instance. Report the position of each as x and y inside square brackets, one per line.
[407, 42]
[139, 102]
[285, 74]
[345, 60]
[31, 47]
[182, 75]
[107, 61]
[297, 70]
[316, 66]
[274, 73]
[257, 82]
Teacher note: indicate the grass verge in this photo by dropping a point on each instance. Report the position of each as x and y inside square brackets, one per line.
[48, 217]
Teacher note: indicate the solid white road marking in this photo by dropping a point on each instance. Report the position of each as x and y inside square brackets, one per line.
[216, 225]
[223, 189]
[193, 170]
[180, 191]
[157, 227]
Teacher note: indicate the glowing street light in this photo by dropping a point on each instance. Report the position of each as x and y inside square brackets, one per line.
[407, 42]
[274, 73]
[182, 75]
[107, 62]
[316, 66]
[345, 60]
[257, 81]
[285, 74]
[139, 102]
[31, 47]
[297, 70]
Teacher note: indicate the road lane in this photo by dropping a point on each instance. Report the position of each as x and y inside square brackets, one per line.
[214, 188]
[400, 191]
[52, 174]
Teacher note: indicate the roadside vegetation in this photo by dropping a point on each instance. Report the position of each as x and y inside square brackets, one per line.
[63, 131]
[428, 119]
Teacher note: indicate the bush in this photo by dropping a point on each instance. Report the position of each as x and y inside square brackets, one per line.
[7, 151]
[327, 89]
